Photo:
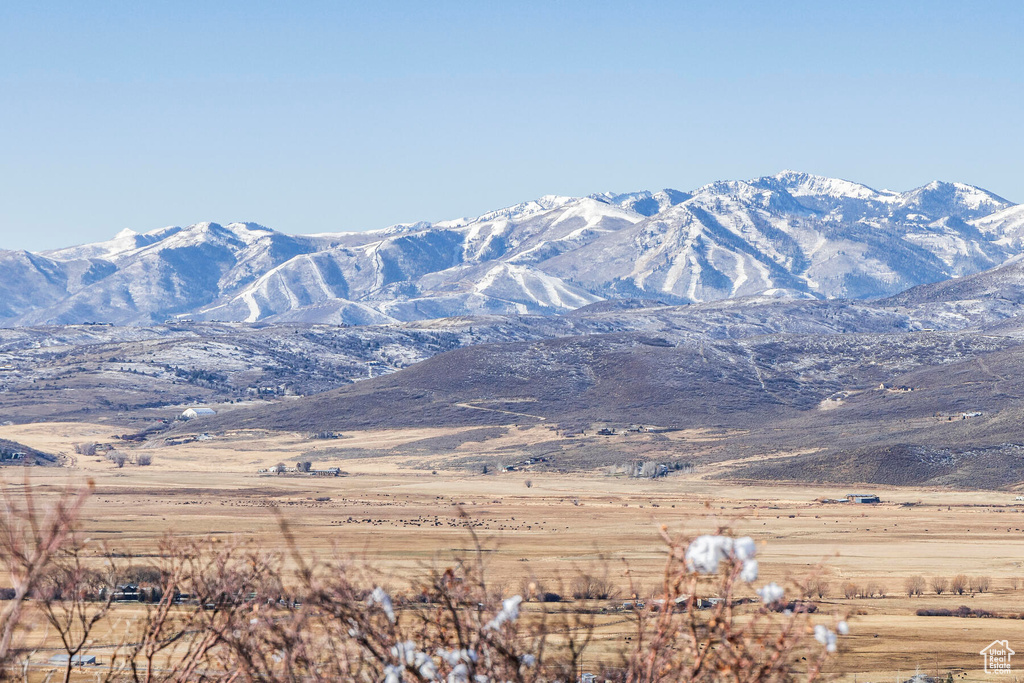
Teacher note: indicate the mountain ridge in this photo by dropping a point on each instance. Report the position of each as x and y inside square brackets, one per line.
[792, 234]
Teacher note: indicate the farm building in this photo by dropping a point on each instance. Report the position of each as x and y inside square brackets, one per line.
[862, 498]
[128, 592]
[76, 660]
[193, 413]
[329, 472]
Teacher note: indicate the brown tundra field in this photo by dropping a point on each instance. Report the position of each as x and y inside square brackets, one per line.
[880, 563]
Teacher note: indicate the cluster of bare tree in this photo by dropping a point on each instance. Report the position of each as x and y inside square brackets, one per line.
[816, 587]
[871, 589]
[588, 587]
[115, 456]
[958, 585]
[913, 586]
[230, 611]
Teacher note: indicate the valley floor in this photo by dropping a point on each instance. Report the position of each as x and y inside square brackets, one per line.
[398, 516]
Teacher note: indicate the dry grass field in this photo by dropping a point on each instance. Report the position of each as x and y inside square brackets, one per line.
[397, 515]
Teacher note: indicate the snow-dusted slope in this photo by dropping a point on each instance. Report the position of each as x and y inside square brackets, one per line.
[645, 203]
[466, 266]
[792, 234]
[145, 278]
[1006, 226]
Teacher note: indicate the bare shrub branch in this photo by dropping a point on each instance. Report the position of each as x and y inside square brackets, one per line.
[30, 539]
[228, 610]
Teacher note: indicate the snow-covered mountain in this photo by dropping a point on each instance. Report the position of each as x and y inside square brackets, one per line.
[792, 234]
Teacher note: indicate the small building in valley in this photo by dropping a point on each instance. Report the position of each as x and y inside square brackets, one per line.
[863, 498]
[329, 472]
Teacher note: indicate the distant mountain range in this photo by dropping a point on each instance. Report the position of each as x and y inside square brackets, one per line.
[788, 235]
[924, 387]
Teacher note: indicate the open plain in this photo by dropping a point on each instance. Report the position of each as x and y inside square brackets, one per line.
[404, 513]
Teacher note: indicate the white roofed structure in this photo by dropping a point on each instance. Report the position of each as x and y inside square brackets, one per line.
[192, 413]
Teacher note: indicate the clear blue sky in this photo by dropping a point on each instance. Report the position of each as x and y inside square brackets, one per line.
[328, 116]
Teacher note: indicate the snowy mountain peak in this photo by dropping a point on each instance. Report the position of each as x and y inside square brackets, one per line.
[645, 202]
[249, 232]
[123, 242]
[554, 201]
[515, 212]
[801, 184]
[208, 230]
[751, 194]
[966, 201]
[248, 227]
[793, 234]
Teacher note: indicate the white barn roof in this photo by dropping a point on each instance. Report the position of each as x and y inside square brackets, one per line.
[197, 412]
